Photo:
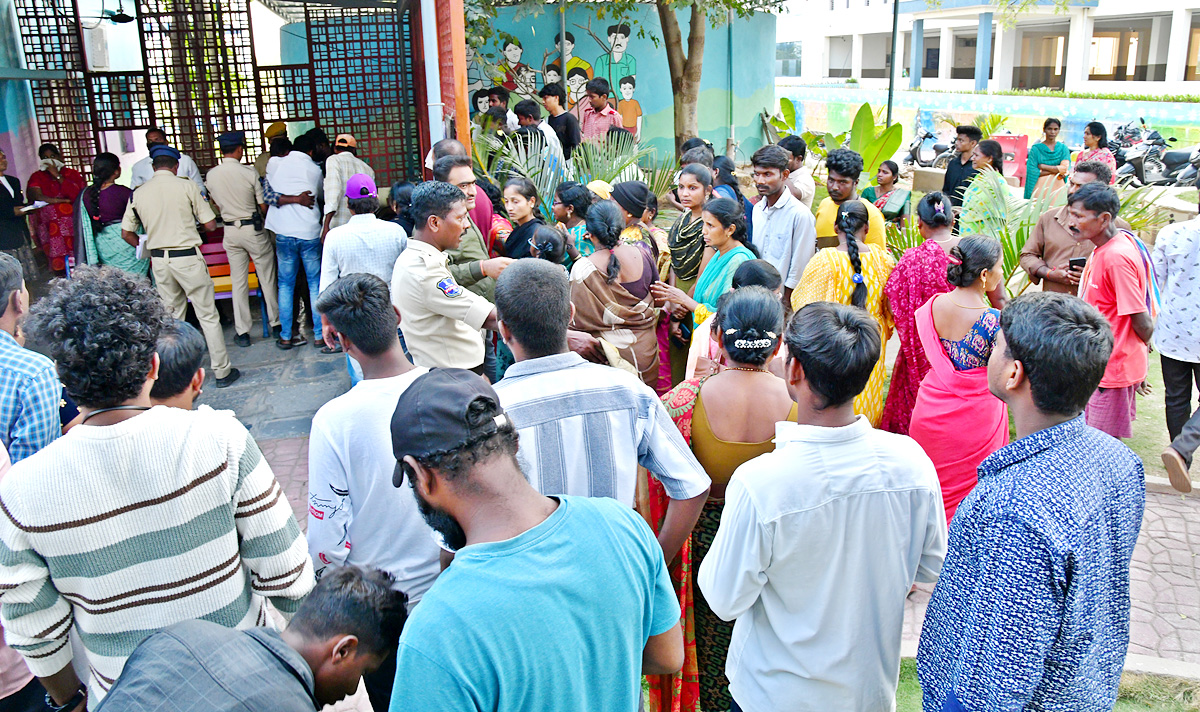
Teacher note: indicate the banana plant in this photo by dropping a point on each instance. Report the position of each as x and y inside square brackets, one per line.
[874, 143]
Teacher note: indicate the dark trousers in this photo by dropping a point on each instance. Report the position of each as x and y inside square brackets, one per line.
[734, 707]
[31, 698]
[1183, 424]
[379, 684]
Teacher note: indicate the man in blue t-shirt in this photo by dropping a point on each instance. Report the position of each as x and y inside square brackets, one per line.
[551, 602]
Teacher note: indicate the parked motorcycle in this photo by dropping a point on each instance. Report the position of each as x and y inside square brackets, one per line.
[920, 155]
[1189, 172]
[1147, 162]
[1124, 137]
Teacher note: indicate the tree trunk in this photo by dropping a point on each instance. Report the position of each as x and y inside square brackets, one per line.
[685, 70]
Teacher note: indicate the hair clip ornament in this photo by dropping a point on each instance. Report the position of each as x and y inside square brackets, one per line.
[953, 260]
[857, 278]
[753, 343]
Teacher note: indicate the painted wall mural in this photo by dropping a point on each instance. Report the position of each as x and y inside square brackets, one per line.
[529, 53]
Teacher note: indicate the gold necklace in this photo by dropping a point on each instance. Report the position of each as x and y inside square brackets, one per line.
[963, 306]
[743, 368]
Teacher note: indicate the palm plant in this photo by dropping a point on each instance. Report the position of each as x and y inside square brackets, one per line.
[608, 160]
[989, 124]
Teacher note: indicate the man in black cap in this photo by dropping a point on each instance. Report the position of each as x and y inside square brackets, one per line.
[168, 208]
[237, 192]
[551, 602]
[633, 196]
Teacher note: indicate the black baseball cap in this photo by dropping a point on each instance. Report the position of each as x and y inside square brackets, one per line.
[432, 415]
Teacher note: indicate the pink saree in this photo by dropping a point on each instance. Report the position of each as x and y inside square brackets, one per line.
[956, 419]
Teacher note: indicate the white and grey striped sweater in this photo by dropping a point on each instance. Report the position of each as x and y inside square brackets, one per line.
[125, 529]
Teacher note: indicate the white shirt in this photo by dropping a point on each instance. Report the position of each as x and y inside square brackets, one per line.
[1176, 260]
[355, 515]
[292, 175]
[802, 180]
[819, 544]
[364, 244]
[143, 171]
[585, 428]
[786, 234]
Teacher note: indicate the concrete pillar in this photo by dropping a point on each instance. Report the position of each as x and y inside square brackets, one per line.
[1181, 27]
[916, 57]
[983, 51]
[1079, 49]
[1159, 35]
[946, 53]
[1004, 59]
[856, 56]
[812, 59]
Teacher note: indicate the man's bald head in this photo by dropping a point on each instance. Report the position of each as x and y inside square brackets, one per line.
[448, 147]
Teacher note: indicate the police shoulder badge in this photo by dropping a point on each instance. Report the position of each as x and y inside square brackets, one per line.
[449, 287]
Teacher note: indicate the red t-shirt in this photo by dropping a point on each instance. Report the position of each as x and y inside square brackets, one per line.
[1115, 282]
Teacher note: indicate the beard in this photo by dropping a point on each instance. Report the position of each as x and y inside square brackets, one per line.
[440, 520]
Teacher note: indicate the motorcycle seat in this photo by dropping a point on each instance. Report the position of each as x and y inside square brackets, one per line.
[942, 148]
[1181, 156]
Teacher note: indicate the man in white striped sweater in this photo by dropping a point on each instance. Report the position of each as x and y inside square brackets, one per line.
[139, 517]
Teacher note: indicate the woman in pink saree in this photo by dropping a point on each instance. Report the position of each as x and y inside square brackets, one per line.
[956, 419]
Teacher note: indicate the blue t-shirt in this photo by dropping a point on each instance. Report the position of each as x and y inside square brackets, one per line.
[556, 618]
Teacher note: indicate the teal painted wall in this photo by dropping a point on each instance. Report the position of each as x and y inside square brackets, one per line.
[753, 80]
[831, 108]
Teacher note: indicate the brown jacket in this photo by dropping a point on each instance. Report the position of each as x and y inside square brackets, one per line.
[1052, 245]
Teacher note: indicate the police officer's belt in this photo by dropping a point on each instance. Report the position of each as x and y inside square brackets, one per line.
[173, 253]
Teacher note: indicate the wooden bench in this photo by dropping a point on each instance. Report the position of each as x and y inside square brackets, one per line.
[218, 269]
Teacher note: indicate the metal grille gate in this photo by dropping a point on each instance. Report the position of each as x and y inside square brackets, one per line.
[200, 78]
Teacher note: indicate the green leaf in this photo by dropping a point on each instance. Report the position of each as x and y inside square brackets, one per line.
[779, 124]
[789, 114]
[862, 131]
[882, 148]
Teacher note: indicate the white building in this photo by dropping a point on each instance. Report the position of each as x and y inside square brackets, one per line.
[1134, 46]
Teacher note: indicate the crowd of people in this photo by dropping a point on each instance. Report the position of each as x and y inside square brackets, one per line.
[579, 449]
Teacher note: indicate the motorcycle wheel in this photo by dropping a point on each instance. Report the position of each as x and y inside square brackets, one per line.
[943, 160]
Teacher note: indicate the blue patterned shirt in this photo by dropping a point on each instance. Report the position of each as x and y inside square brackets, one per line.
[1032, 608]
[30, 396]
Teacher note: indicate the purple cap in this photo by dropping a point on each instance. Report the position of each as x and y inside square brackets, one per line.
[360, 185]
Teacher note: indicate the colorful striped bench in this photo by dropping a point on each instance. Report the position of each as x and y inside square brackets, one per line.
[218, 269]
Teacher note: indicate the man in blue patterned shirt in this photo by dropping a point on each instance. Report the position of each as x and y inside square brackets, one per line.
[30, 392]
[1032, 608]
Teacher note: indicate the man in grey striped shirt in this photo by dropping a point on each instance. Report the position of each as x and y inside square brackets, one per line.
[584, 428]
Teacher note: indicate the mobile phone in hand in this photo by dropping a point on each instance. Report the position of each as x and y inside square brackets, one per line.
[1077, 263]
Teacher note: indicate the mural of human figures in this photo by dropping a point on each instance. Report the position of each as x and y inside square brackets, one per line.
[577, 78]
[510, 67]
[553, 74]
[566, 56]
[629, 108]
[475, 72]
[616, 63]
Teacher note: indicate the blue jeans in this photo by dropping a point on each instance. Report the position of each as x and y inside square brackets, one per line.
[289, 251]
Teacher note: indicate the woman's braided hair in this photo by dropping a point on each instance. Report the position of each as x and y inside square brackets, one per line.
[105, 166]
[852, 216]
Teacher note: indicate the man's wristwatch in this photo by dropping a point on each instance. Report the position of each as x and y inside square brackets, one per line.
[76, 699]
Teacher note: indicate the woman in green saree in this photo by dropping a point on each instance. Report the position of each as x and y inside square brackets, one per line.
[1048, 157]
[725, 233]
[104, 203]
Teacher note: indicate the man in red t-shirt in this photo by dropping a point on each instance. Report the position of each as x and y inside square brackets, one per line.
[1116, 281]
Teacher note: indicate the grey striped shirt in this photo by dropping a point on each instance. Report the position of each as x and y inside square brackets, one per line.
[585, 428]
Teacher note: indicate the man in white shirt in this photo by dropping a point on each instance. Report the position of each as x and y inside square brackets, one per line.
[142, 171]
[821, 540]
[784, 230]
[585, 427]
[1177, 272]
[338, 168]
[800, 182]
[297, 231]
[355, 515]
[530, 114]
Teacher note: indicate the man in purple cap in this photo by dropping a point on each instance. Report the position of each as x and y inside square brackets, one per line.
[551, 602]
[364, 244]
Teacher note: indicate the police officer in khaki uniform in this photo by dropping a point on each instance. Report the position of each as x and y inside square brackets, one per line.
[236, 190]
[168, 208]
[273, 131]
[441, 319]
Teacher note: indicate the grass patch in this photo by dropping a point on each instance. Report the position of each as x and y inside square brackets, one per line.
[1138, 693]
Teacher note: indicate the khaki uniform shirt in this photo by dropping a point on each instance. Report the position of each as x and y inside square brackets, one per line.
[441, 320]
[338, 169]
[465, 263]
[236, 190]
[168, 207]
